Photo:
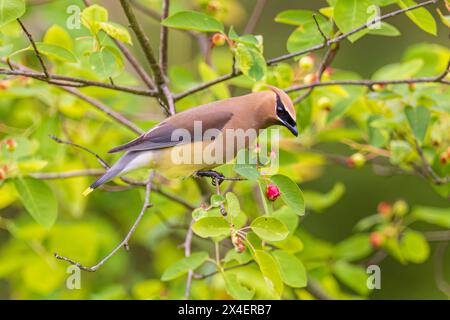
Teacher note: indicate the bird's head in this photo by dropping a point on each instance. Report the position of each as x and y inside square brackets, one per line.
[282, 110]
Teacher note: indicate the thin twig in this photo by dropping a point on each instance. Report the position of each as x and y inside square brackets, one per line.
[187, 253]
[100, 106]
[36, 51]
[77, 82]
[166, 101]
[125, 241]
[67, 174]
[256, 15]
[276, 60]
[164, 39]
[428, 169]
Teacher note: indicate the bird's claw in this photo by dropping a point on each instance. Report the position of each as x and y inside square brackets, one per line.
[216, 177]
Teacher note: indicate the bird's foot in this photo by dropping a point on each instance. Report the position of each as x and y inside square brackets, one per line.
[216, 177]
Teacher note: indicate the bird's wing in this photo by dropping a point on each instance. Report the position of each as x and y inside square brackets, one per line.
[161, 135]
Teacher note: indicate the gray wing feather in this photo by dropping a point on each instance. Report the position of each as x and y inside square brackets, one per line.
[162, 135]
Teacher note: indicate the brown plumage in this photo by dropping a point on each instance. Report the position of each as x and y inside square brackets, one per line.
[156, 148]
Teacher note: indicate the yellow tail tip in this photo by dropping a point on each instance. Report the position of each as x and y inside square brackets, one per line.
[87, 191]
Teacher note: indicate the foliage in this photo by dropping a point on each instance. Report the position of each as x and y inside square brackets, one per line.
[396, 121]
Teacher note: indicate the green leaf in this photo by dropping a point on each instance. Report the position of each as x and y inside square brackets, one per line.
[269, 228]
[421, 17]
[235, 214]
[436, 216]
[211, 227]
[291, 194]
[320, 201]
[182, 266]
[398, 71]
[418, 119]
[56, 35]
[10, 10]
[56, 52]
[295, 17]
[292, 270]
[116, 31]
[38, 199]
[92, 16]
[236, 289]
[368, 222]
[217, 200]
[250, 61]
[207, 73]
[307, 35]
[353, 248]
[103, 63]
[385, 29]
[246, 165]
[414, 246]
[444, 19]
[191, 20]
[286, 215]
[352, 276]
[400, 151]
[351, 14]
[270, 271]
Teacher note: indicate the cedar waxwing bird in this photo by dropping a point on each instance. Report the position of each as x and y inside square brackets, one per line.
[164, 145]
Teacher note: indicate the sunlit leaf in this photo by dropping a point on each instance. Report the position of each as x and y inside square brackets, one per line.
[418, 119]
[38, 199]
[355, 277]
[211, 227]
[270, 270]
[292, 270]
[269, 228]
[291, 194]
[421, 16]
[192, 20]
[10, 10]
[236, 289]
[182, 266]
[414, 246]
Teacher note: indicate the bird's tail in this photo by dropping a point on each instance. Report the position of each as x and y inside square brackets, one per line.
[112, 172]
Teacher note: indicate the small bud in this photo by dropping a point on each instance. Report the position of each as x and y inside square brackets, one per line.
[11, 144]
[328, 72]
[400, 208]
[376, 239]
[443, 158]
[219, 39]
[273, 154]
[5, 84]
[306, 63]
[324, 103]
[2, 174]
[213, 6]
[272, 192]
[359, 159]
[310, 78]
[384, 208]
[378, 87]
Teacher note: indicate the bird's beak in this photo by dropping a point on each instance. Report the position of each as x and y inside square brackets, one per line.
[292, 128]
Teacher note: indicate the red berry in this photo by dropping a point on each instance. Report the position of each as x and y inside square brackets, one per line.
[384, 208]
[328, 72]
[11, 144]
[218, 39]
[376, 239]
[272, 192]
[2, 174]
[310, 78]
[350, 162]
[443, 158]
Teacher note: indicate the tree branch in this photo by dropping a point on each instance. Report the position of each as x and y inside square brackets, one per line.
[256, 15]
[125, 241]
[36, 51]
[76, 82]
[165, 97]
[164, 37]
[187, 253]
[428, 170]
[330, 42]
[100, 106]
